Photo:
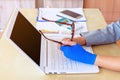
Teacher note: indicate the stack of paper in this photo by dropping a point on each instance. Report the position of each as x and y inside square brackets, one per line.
[53, 14]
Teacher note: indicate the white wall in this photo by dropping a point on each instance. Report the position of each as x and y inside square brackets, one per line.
[63, 3]
[6, 7]
[59, 3]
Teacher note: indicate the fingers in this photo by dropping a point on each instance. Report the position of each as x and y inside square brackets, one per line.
[58, 46]
[67, 41]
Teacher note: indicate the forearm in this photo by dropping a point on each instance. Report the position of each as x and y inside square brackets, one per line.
[108, 62]
[109, 34]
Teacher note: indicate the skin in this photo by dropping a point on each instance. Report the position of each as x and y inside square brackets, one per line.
[108, 62]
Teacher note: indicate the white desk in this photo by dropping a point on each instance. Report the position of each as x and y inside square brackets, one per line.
[14, 66]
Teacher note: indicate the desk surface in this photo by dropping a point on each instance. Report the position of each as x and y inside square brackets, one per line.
[14, 66]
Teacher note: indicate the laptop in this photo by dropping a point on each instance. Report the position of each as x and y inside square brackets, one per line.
[45, 54]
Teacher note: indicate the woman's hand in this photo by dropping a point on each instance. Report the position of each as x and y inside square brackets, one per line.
[77, 53]
[67, 41]
[79, 40]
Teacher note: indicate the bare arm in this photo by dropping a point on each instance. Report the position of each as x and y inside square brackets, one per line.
[108, 62]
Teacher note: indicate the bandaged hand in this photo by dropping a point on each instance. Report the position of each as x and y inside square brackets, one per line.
[77, 53]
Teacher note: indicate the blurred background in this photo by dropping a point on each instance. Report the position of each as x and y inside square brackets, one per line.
[109, 8]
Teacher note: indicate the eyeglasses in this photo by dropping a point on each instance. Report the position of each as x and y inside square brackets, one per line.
[72, 31]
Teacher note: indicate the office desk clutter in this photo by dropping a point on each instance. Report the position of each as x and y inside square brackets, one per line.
[39, 51]
[54, 28]
[16, 65]
[56, 13]
[61, 15]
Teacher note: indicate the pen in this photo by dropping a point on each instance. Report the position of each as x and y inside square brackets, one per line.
[40, 20]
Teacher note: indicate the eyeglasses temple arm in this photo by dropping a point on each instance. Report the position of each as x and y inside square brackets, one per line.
[73, 26]
[48, 38]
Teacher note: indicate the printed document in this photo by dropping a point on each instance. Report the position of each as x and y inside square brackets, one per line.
[52, 27]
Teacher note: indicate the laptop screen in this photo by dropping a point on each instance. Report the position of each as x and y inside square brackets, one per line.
[25, 36]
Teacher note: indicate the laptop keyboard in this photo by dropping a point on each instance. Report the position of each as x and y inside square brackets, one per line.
[57, 62]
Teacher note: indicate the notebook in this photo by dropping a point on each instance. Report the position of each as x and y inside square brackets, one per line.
[45, 54]
[55, 14]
